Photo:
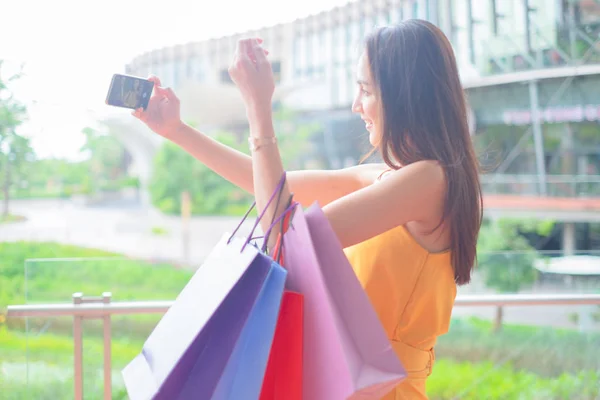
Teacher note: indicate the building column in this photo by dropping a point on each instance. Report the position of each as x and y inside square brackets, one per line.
[569, 239]
[537, 137]
[471, 32]
[434, 11]
[567, 158]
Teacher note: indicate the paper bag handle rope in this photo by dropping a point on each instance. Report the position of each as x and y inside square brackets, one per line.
[277, 190]
[293, 205]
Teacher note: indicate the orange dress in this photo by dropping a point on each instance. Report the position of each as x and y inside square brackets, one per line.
[413, 292]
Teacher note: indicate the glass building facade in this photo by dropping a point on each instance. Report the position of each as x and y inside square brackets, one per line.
[490, 37]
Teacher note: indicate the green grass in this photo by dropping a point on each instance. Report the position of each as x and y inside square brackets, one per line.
[49, 359]
[520, 362]
[159, 231]
[8, 219]
[480, 380]
[57, 271]
[484, 380]
[546, 351]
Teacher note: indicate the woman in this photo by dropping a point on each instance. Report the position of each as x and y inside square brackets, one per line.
[409, 227]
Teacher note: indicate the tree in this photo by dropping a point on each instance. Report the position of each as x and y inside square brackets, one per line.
[15, 149]
[506, 257]
[175, 171]
[108, 159]
[16, 153]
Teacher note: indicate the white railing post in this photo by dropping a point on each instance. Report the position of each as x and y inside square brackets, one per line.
[79, 301]
[77, 349]
[106, 325]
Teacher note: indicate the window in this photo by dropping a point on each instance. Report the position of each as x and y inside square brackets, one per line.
[322, 50]
[189, 71]
[276, 66]
[296, 58]
[308, 55]
[339, 46]
[177, 65]
[224, 76]
[587, 12]
[302, 64]
[396, 15]
[314, 56]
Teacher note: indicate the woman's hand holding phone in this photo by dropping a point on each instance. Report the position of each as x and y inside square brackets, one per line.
[163, 112]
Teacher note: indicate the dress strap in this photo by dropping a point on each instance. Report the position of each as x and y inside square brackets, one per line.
[383, 173]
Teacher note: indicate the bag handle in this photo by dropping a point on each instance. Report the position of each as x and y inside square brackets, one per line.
[278, 255]
[275, 222]
[277, 190]
[272, 219]
[280, 218]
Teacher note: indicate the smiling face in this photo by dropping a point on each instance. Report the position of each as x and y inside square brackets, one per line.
[366, 102]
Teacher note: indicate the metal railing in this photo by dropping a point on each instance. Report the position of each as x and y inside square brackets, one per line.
[549, 46]
[556, 185]
[101, 307]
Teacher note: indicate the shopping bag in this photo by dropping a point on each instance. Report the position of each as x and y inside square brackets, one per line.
[283, 378]
[187, 352]
[245, 370]
[346, 351]
[201, 328]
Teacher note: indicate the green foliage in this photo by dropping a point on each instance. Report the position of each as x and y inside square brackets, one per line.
[107, 161]
[159, 231]
[7, 219]
[105, 169]
[466, 378]
[49, 360]
[505, 256]
[15, 150]
[520, 362]
[54, 178]
[175, 171]
[522, 346]
[22, 176]
[475, 381]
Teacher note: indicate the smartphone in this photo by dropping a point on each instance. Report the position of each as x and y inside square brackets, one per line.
[129, 92]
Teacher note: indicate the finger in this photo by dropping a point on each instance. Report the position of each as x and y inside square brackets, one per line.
[251, 52]
[138, 113]
[158, 89]
[154, 79]
[243, 53]
[244, 48]
[259, 53]
[170, 94]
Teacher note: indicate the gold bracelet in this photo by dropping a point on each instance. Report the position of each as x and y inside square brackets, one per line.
[258, 142]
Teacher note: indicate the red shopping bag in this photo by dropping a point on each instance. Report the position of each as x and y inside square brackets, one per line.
[283, 378]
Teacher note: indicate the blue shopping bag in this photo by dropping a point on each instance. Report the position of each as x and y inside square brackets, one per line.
[243, 376]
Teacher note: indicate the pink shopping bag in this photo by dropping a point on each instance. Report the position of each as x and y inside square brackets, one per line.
[347, 354]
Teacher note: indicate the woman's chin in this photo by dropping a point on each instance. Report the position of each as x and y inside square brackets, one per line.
[373, 139]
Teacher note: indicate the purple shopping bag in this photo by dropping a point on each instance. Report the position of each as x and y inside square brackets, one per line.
[184, 356]
[347, 353]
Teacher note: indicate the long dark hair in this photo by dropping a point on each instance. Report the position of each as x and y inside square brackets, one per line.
[425, 118]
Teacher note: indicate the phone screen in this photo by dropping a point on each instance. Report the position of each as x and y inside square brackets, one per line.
[129, 92]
